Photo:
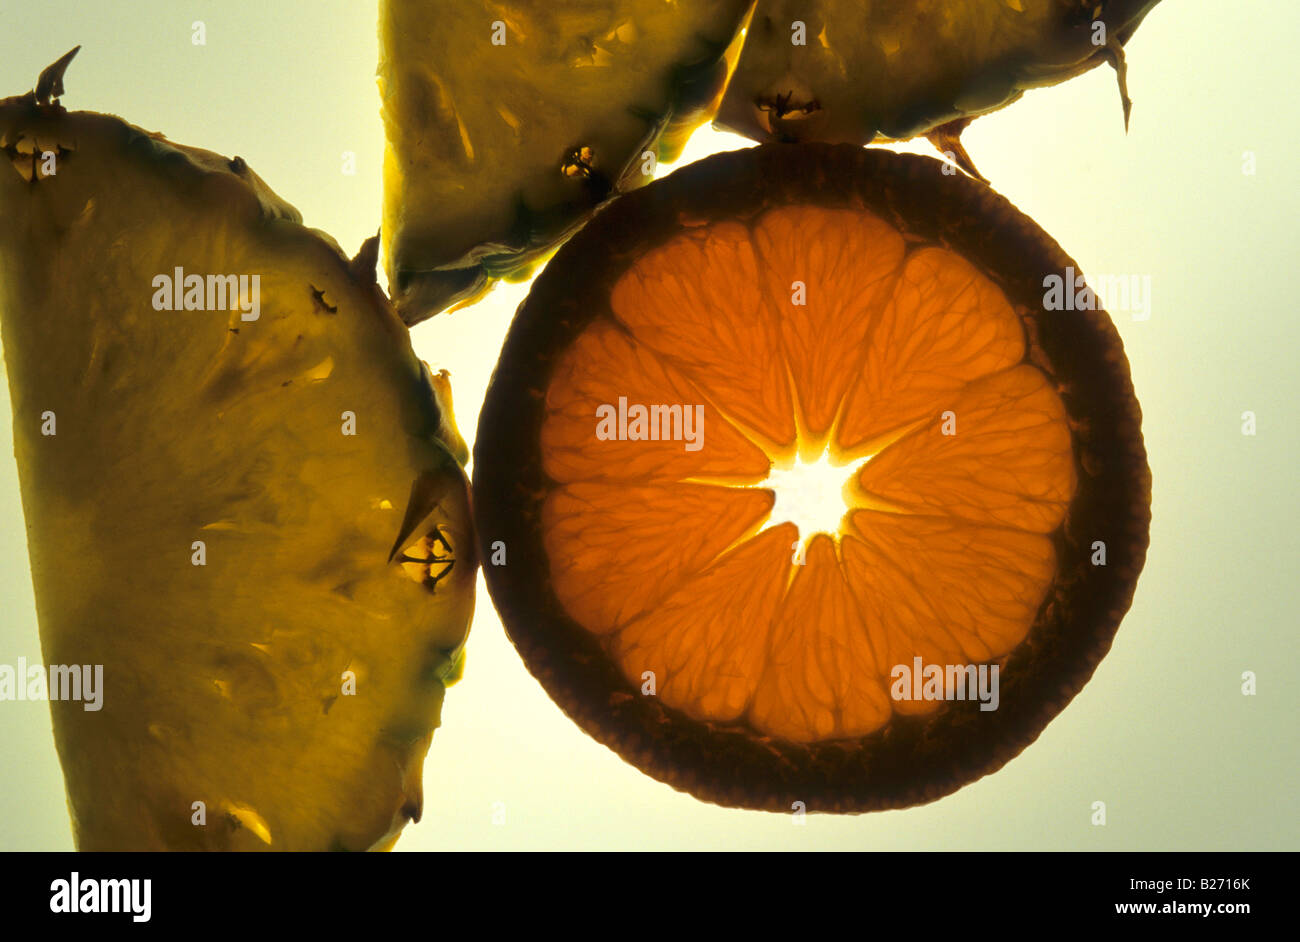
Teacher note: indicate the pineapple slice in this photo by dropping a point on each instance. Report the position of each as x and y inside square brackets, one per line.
[244, 497]
[509, 123]
[857, 70]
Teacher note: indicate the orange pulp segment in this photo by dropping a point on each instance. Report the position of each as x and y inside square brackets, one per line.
[801, 332]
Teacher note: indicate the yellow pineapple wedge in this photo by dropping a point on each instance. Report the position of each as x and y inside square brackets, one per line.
[854, 71]
[510, 121]
[244, 497]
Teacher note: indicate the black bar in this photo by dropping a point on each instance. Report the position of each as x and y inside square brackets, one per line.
[929, 891]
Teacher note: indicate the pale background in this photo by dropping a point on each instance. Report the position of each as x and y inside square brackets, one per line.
[1162, 733]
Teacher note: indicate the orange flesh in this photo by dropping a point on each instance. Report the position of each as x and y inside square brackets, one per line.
[912, 359]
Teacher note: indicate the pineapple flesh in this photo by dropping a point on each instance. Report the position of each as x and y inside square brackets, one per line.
[244, 497]
[509, 123]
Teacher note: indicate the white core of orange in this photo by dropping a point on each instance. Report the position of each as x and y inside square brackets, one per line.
[813, 495]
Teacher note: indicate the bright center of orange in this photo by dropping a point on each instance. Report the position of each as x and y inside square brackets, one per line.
[811, 495]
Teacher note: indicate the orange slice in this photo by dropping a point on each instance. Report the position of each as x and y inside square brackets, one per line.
[804, 495]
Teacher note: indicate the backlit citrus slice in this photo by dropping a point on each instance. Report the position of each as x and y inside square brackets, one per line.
[794, 490]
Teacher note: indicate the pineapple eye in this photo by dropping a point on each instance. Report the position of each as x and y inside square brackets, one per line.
[429, 560]
[579, 163]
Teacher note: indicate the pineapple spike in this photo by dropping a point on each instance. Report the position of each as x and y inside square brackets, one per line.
[1114, 51]
[364, 262]
[50, 83]
[947, 140]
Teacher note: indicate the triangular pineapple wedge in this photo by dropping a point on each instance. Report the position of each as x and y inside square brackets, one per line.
[509, 123]
[858, 70]
[243, 492]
